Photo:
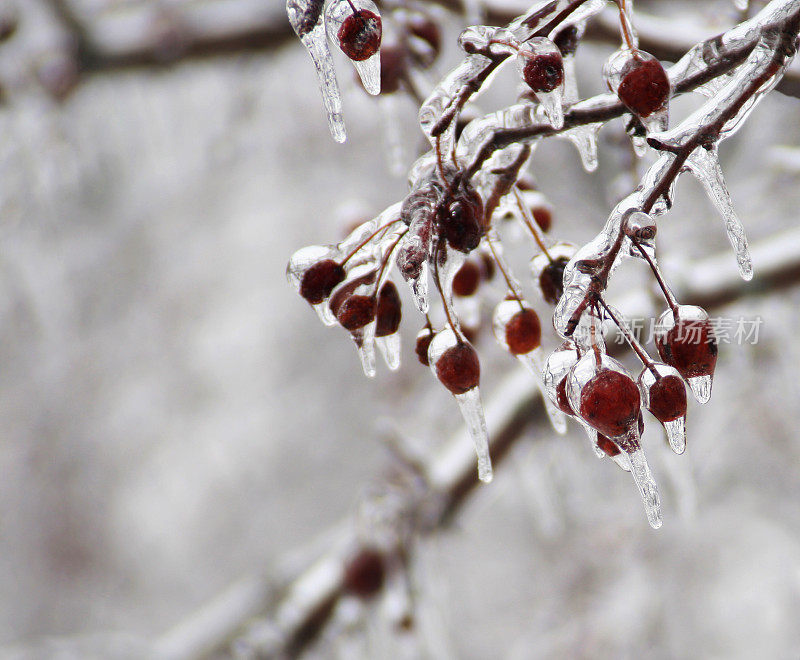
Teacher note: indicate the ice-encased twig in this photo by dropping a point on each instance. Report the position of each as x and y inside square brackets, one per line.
[306, 19]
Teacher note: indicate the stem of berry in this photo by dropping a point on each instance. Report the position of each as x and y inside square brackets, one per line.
[355, 250]
[641, 353]
[530, 223]
[437, 280]
[499, 261]
[668, 295]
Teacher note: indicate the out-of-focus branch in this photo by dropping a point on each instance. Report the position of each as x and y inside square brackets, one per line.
[293, 612]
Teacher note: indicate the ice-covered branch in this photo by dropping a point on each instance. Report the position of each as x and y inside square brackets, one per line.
[292, 613]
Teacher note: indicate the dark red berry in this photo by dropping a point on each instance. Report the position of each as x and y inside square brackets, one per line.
[320, 279]
[544, 73]
[360, 35]
[364, 573]
[462, 221]
[607, 445]
[543, 217]
[562, 400]
[523, 332]
[551, 280]
[458, 368]
[690, 347]
[488, 267]
[424, 28]
[644, 86]
[667, 399]
[354, 311]
[389, 310]
[421, 348]
[393, 68]
[567, 40]
[467, 279]
[610, 403]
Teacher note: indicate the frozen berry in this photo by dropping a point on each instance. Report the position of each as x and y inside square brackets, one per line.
[523, 332]
[393, 68]
[356, 311]
[688, 343]
[423, 342]
[644, 85]
[462, 221]
[320, 279]
[607, 445]
[467, 279]
[360, 35]
[562, 400]
[364, 573]
[389, 310]
[667, 399]
[544, 72]
[543, 217]
[424, 28]
[551, 280]
[458, 368]
[567, 40]
[610, 403]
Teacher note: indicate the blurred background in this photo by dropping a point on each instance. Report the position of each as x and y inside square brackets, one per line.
[174, 419]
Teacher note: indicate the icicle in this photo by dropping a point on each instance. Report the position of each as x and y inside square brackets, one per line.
[701, 387]
[585, 140]
[704, 165]
[676, 434]
[305, 17]
[419, 289]
[643, 478]
[337, 13]
[455, 364]
[390, 349]
[639, 145]
[364, 339]
[472, 410]
[534, 363]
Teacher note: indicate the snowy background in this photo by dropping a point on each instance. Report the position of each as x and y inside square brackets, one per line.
[173, 418]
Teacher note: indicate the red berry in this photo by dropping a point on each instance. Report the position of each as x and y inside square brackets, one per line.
[544, 72]
[690, 347]
[462, 221]
[644, 86]
[543, 217]
[360, 35]
[551, 280]
[364, 573]
[467, 279]
[389, 310]
[610, 403]
[320, 279]
[567, 40]
[458, 368]
[393, 68]
[523, 332]
[356, 311]
[562, 400]
[667, 399]
[423, 342]
[424, 28]
[607, 445]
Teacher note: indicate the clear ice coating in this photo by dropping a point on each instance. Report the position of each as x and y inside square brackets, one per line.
[704, 165]
[585, 140]
[701, 387]
[468, 401]
[300, 262]
[336, 12]
[306, 19]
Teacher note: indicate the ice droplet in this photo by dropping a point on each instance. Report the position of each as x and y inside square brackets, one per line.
[419, 289]
[472, 411]
[389, 346]
[585, 140]
[701, 387]
[365, 341]
[305, 17]
[644, 479]
[704, 165]
[369, 70]
[676, 434]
